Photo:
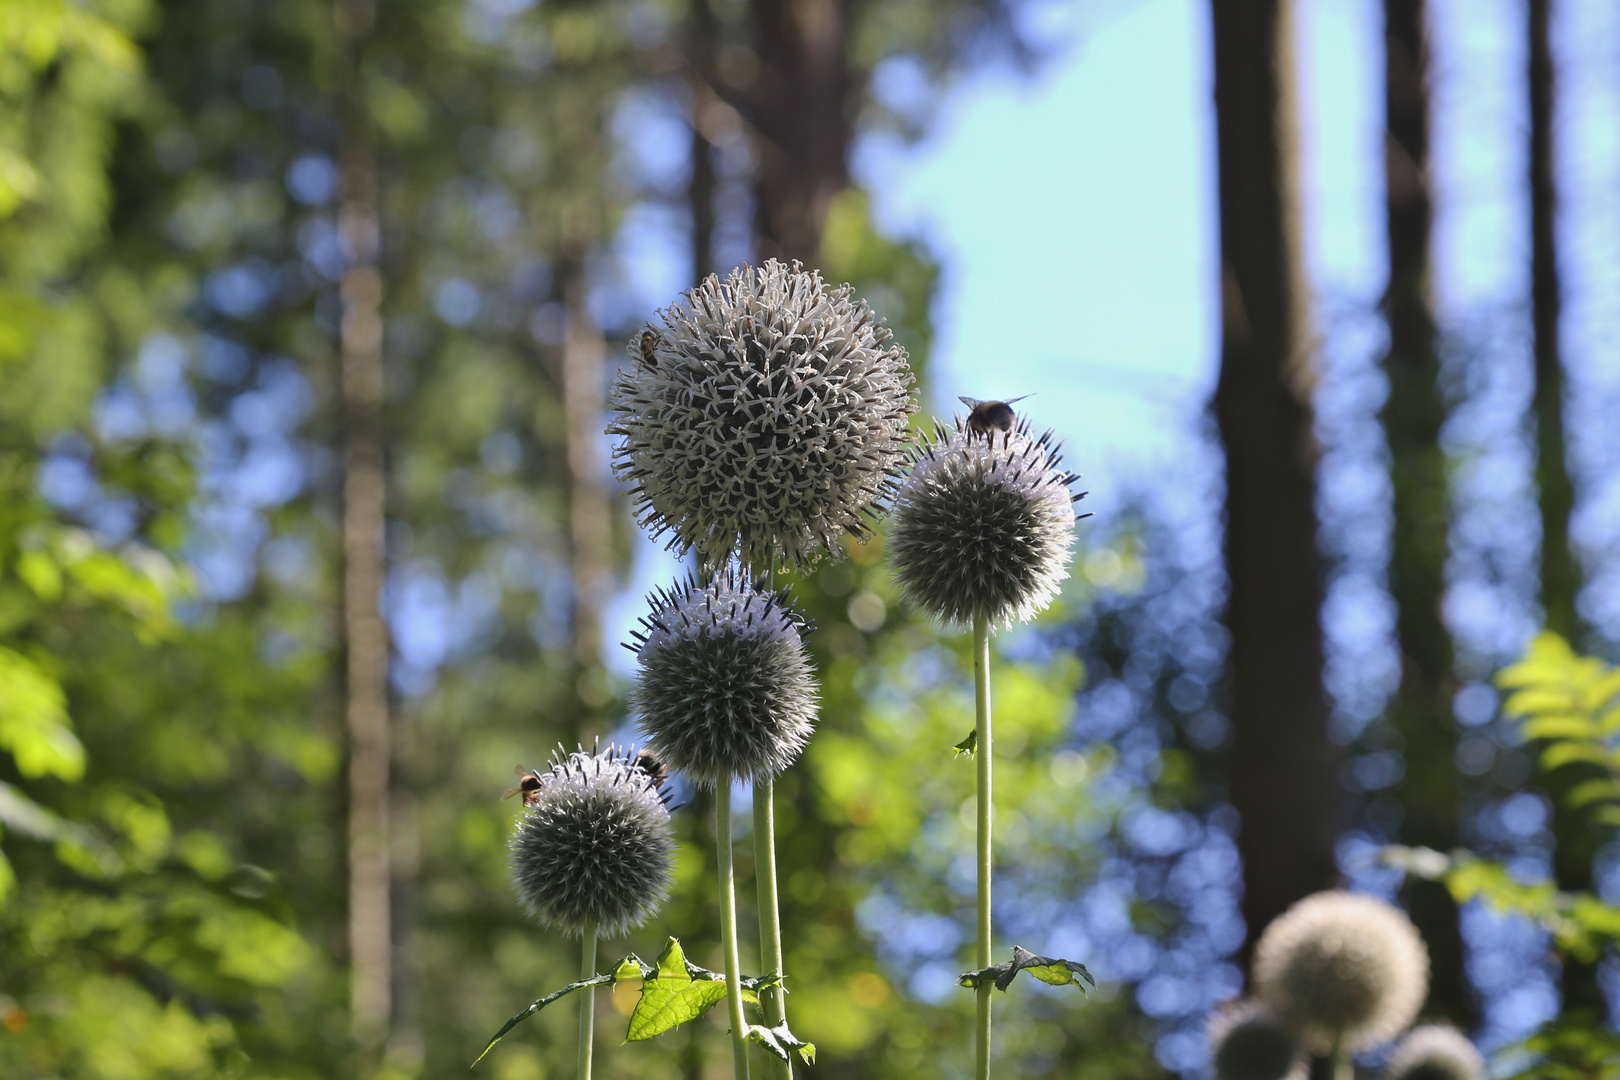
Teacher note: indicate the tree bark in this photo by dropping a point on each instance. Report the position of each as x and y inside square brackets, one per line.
[1284, 778]
[799, 108]
[590, 527]
[365, 631]
[1560, 578]
[701, 35]
[1412, 417]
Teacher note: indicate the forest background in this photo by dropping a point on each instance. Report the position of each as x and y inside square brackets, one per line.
[307, 533]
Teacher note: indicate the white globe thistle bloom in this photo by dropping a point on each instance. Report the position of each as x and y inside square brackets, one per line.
[593, 845]
[983, 524]
[725, 688]
[1343, 967]
[1248, 1041]
[766, 417]
[1435, 1052]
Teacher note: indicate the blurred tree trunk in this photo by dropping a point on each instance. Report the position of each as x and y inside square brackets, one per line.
[1284, 778]
[365, 632]
[589, 521]
[1560, 581]
[701, 42]
[1412, 417]
[799, 108]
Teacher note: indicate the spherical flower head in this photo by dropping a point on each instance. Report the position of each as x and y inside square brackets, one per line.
[1250, 1042]
[725, 688]
[1435, 1052]
[593, 845]
[982, 525]
[1342, 966]
[764, 418]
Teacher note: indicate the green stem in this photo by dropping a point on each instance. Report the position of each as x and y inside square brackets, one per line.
[772, 1000]
[587, 1002]
[1344, 1066]
[728, 928]
[982, 959]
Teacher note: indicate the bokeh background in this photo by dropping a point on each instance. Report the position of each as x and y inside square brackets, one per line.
[308, 532]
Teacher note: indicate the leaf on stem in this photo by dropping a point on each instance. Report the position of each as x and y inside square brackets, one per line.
[782, 1042]
[968, 745]
[628, 968]
[678, 991]
[1053, 972]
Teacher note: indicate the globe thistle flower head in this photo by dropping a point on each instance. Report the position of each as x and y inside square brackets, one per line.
[593, 845]
[1342, 967]
[1250, 1042]
[725, 688]
[982, 525]
[1435, 1052]
[764, 418]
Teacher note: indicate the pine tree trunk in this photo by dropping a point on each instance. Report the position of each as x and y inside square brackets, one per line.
[1412, 417]
[1284, 777]
[1560, 580]
[590, 527]
[701, 33]
[365, 632]
[799, 107]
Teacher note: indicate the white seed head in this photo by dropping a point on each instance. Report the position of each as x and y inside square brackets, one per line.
[1340, 965]
[594, 846]
[766, 417]
[725, 688]
[1250, 1042]
[983, 524]
[1435, 1052]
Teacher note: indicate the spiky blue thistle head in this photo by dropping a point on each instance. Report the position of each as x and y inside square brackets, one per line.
[1435, 1052]
[593, 845]
[982, 525]
[725, 688]
[1343, 969]
[763, 418]
[1250, 1042]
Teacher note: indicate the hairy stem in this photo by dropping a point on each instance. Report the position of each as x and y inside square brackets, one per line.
[982, 960]
[587, 1002]
[728, 928]
[772, 1000]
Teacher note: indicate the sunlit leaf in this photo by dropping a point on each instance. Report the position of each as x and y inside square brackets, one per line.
[1050, 970]
[670, 996]
[782, 1043]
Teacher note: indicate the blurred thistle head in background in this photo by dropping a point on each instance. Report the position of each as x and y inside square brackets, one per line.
[725, 688]
[1248, 1041]
[982, 525]
[765, 418]
[593, 845]
[1435, 1052]
[1343, 969]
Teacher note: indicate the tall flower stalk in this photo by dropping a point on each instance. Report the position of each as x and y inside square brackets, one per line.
[983, 524]
[762, 419]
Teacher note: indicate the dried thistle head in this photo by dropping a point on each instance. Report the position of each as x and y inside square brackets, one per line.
[764, 418]
[1250, 1042]
[982, 525]
[1342, 967]
[593, 845]
[725, 688]
[1435, 1052]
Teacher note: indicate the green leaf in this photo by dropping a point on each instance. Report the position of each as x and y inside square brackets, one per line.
[1052, 971]
[34, 720]
[629, 963]
[1591, 791]
[969, 745]
[672, 996]
[782, 1043]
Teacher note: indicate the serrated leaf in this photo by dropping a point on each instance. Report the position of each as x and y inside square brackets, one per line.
[969, 745]
[782, 1043]
[1050, 970]
[671, 996]
[630, 963]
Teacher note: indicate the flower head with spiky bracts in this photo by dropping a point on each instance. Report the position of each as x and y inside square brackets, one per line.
[593, 845]
[1435, 1052]
[1343, 969]
[766, 417]
[725, 688]
[982, 525]
[1250, 1042]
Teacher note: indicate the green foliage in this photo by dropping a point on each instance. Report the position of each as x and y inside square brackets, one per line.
[1571, 705]
[1564, 1051]
[1052, 972]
